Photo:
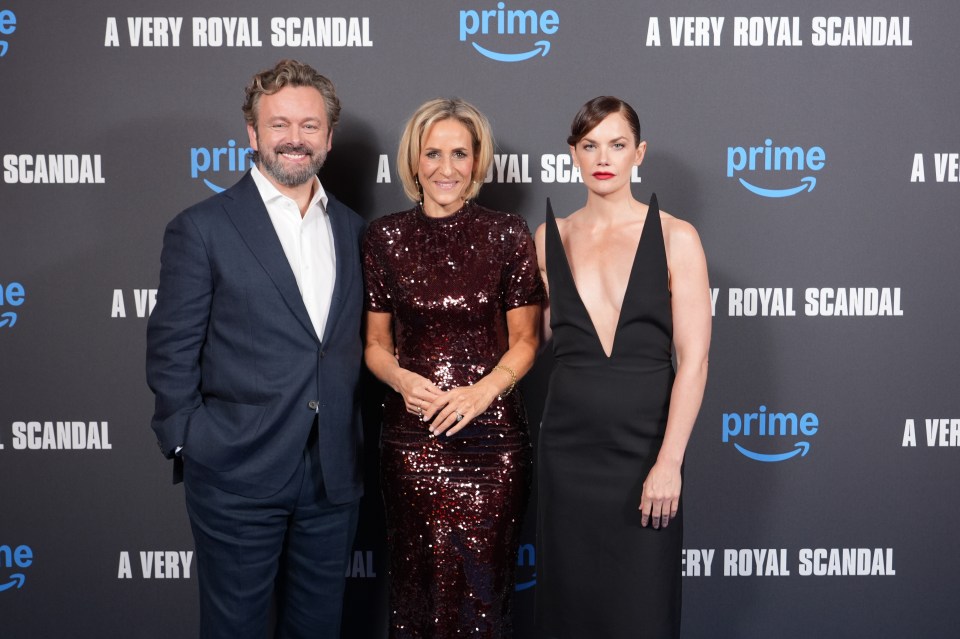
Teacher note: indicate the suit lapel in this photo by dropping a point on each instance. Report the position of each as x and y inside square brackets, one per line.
[345, 248]
[249, 215]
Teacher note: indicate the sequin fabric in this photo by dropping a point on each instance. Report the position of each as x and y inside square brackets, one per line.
[454, 505]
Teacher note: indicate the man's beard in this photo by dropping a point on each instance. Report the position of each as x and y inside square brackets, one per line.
[270, 162]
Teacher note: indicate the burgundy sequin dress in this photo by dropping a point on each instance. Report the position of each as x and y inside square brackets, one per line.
[454, 505]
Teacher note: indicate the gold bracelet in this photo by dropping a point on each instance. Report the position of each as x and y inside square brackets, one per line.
[513, 379]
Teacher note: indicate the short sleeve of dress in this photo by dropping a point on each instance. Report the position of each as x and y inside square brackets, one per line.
[375, 276]
[522, 284]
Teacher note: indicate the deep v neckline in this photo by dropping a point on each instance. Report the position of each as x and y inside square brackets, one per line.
[576, 289]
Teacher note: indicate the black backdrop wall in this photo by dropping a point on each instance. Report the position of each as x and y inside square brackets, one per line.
[814, 145]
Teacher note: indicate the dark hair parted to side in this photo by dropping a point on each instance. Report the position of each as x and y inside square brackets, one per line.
[293, 74]
[595, 111]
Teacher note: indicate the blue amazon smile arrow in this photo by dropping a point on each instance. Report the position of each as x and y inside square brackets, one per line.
[810, 183]
[802, 448]
[542, 48]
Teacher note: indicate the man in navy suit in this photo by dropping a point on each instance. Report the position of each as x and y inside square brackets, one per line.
[253, 353]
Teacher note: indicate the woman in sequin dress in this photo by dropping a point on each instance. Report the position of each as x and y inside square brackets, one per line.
[452, 322]
[628, 287]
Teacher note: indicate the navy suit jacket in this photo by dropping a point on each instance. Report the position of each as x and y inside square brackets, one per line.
[237, 368]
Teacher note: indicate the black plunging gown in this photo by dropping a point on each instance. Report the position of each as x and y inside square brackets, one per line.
[599, 573]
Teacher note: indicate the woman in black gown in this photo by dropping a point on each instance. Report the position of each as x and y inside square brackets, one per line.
[628, 288]
[453, 314]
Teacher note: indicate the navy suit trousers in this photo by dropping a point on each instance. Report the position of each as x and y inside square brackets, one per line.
[294, 544]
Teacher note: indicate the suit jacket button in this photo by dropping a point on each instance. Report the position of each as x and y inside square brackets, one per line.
[313, 404]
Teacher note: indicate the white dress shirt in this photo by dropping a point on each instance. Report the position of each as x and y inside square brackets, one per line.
[308, 244]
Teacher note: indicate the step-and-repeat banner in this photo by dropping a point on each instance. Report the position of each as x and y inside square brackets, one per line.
[815, 146]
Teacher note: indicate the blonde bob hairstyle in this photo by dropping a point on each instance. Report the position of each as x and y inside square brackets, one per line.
[429, 113]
